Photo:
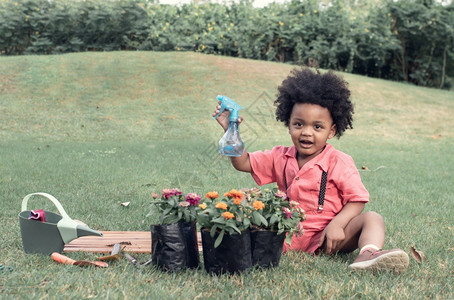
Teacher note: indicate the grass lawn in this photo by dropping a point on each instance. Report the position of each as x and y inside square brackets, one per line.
[99, 129]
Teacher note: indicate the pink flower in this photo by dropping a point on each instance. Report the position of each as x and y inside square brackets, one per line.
[154, 196]
[281, 194]
[184, 204]
[301, 212]
[293, 203]
[287, 212]
[167, 193]
[193, 198]
[252, 193]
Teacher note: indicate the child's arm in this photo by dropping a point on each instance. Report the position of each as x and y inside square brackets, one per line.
[334, 232]
[242, 162]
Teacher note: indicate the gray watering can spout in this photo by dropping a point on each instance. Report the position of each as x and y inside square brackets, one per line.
[84, 231]
[70, 229]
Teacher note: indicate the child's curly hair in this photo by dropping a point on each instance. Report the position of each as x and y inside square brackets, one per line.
[327, 90]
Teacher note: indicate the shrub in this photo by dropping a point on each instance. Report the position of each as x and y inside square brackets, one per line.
[409, 40]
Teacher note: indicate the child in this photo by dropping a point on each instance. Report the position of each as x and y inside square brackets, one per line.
[316, 107]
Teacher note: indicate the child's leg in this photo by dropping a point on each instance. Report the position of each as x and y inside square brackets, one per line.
[367, 232]
[366, 229]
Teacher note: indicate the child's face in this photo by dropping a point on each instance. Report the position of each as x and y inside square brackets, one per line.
[310, 127]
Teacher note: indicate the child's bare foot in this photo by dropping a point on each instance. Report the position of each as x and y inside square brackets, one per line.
[392, 260]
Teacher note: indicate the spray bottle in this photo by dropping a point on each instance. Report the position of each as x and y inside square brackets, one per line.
[231, 143]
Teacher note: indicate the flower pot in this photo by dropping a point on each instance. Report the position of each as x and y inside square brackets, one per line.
[266, 247]
[174, 246]
[233, 255]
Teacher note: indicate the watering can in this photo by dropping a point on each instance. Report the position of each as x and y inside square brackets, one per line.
[52, 234]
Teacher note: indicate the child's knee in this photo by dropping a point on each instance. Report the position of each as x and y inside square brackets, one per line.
[372, 216]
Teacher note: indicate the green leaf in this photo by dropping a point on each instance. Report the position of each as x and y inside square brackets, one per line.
[234, 227]
[247, 222]
[273, 219]
[170, 219]
[219, 238]
[263, 220]
[255, 218]
[166, 212]
[208, 211]
[288, 239]
[213, 230]
[219, 220]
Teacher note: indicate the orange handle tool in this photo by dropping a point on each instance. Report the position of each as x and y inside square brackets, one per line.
[62, 259]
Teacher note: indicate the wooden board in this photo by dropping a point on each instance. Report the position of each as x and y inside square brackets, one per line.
[130, 241]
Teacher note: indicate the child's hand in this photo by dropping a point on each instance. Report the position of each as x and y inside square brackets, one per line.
[333, 236]
[223, 119]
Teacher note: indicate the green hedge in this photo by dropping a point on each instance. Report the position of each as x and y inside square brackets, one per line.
[405, 40]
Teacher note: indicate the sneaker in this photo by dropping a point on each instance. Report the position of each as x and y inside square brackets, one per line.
[392, 260]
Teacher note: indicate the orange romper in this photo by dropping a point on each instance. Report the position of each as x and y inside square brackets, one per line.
[303, 185]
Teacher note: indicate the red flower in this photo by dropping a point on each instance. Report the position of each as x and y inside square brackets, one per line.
[193, 198]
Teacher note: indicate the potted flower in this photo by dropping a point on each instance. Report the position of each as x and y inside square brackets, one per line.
[225, 233]
[273, 219]
[174, 237]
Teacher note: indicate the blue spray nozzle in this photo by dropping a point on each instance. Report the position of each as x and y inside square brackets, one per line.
[230, 105]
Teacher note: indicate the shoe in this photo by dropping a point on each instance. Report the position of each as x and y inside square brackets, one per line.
[391, 260]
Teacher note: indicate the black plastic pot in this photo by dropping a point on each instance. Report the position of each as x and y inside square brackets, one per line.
[266, 248]
[174, 246]
[233, 255]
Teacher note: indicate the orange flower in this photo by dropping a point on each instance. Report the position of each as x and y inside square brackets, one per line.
[212, 195]
[237, 196]
[228, 215]
[202, 205]
[237, 201]
[258, 205]
[221, 205]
